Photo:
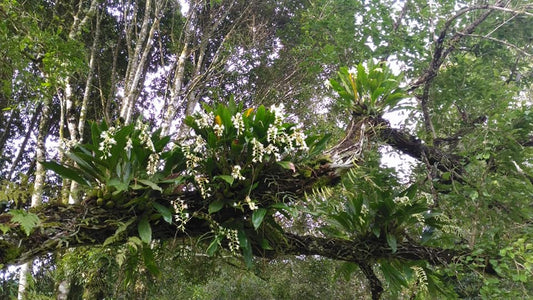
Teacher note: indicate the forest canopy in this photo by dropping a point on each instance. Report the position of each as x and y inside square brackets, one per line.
[266, 149]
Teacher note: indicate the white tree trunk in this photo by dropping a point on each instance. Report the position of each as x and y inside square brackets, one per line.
[138, 58]
[36, 197]
[184, 95]
[23, 280]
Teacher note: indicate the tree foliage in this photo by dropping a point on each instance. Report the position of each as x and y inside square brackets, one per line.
[190, 143]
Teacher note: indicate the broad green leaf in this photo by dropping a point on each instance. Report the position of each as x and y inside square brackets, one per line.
[119, 185]
[318, 147]
[161, 144]
[393, 275]
[246, 247]
[376, 230]
[258, 216]
[151, 184]
[191, 122]
[95, 134]
[66, 172]
[164, 211]
[215, 206]
[346, 270]
[135, 240]
[149, 261]
[85, 163]
[266, 245]
[213, 247]
[227, 178]
[145, 231]
[212, 140]
[260, 115]
[287, 165]
[116, 235]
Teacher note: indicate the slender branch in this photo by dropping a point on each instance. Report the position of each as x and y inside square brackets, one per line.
[522, 51]
[22, 147]
[440, 54]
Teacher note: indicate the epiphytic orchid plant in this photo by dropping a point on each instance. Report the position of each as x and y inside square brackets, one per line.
[232, 150]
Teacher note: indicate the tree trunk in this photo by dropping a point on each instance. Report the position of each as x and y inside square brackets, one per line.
[138, 58]
[23, 280]
[36, 197]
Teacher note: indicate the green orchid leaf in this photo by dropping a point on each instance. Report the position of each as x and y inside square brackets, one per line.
[391, 241]
[227, 178]
[150, 184]
[164, 211]
[258, 216]
[213, 246]
[246, 247]
[145, 230]
[67, 172]
[149, 261]
[215, 206]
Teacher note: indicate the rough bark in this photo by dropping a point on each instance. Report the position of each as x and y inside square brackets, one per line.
[362, 128]
[414, 147]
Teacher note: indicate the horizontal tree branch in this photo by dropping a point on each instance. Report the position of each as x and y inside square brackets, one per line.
[63, 227]
[414, 147]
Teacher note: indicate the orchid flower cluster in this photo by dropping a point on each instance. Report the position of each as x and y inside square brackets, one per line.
[230, 145]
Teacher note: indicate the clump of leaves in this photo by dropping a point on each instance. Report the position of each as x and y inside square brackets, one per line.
[367, 90]
[121, 167]
[233, 153]
[369, 204]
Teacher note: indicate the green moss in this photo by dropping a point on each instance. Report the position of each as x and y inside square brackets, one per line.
[8, 252]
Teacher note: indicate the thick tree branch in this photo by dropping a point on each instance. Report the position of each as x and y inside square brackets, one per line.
[359, 127]
[84, 225]
[414, 147]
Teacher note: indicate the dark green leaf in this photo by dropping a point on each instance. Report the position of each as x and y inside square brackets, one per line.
[227, 178]
[391, 240]
[346, 270]
[151, 184]
[122, 228]
[119, 185]
[258, 216]
[145, 230]
[266, 245]
[149, 260]
[215, 206]
[246, 247]
[287, 165]
[213, 247]
[66, 172]
[164, 211]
